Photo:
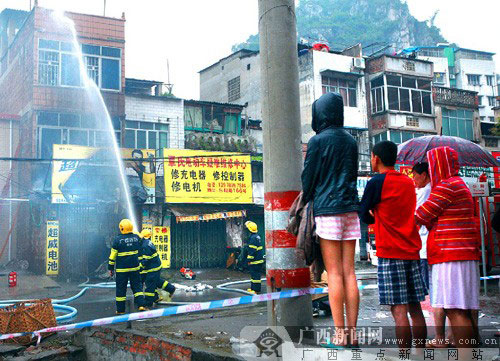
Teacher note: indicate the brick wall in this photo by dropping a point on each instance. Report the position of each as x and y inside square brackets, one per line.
[159, 109]
[110, 344]
[376, 65]
[125, 345]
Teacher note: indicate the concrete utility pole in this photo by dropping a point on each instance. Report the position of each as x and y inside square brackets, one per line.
[282, 159]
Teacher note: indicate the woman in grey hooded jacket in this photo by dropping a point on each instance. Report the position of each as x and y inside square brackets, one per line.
[329, 179]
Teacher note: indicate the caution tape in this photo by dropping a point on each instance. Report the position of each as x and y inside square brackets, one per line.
[194, 307]
[490, 277]
[176, 310]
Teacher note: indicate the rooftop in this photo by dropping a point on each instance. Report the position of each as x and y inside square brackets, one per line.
[203, 102]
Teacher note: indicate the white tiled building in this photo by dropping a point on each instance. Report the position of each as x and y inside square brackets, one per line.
[470, 70]
[153, 121]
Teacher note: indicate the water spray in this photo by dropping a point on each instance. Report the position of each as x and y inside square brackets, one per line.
[94, 93]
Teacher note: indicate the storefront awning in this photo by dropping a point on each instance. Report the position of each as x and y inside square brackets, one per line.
[207, 212]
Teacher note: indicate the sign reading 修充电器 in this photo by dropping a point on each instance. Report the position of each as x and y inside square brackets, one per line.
[52, 256]
[161, 240]
[194, 176]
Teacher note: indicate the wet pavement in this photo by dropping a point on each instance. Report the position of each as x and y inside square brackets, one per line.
[213, 329]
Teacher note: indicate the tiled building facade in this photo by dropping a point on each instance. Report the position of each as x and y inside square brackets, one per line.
[42, 89]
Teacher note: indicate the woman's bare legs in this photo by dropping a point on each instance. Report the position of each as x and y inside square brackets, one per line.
[338, 257]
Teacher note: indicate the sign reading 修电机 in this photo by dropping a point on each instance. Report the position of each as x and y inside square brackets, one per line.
[194, 176]
[52, 256]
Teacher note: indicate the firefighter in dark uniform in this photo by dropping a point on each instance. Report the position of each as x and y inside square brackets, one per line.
[124, 260]
[255, 257]
[150, 271]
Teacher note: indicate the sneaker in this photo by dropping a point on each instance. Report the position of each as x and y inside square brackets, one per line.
[142, 308]
[120, 313]
[251, 291]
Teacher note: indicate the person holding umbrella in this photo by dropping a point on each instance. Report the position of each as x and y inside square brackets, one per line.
[452, 245]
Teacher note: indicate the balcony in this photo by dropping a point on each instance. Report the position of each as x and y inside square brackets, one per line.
[455, 97]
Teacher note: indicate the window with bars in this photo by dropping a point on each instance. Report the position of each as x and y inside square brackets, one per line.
[233, 89]
[491, 142]
[473, 79]
[458, 123]
[490, 80]
[412, 122]
[58, 64]
[48, 68]
[145, 135]
[409, 94]
[377, 95]
[92, 65]
[398, 136]
[439, 78]
[70, 128]
[346, 88]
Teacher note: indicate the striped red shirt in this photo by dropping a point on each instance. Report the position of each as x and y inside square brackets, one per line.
[449, 212]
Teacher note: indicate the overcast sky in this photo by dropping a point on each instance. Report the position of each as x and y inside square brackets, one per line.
[193, 34]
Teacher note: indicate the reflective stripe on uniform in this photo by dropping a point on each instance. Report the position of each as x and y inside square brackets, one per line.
[152, 269]
[137, 294]
[149, 257]
[258, 248]
[112, 255]
[257, 262]
[127, 269]
[250, 257]
[130, 253]
[256, 281]
[149, 294]
[121, 299]
[165, 284]
[111, 263]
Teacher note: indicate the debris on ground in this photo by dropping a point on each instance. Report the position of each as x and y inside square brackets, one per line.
[199, 287]
[187, 273]
[381, 315]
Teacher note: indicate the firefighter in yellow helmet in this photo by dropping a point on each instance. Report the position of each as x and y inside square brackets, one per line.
[124, 260]
[150, 271]
[255, 257]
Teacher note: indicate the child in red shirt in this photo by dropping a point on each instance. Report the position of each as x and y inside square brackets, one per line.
[389, 201]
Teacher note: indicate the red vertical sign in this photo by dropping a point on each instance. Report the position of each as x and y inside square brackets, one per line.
[496, 170]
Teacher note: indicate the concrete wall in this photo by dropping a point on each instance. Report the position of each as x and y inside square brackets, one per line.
[258, 193]
[307, 93]
[158, 110]
[213, 82]
[311, 65]
[440, 66]
[9, 139]
[399, 121]
[402, 66]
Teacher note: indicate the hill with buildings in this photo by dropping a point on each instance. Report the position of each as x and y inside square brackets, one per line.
[373, 23]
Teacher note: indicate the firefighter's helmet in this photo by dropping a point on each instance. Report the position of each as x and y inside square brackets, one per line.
[251, 226]
[126, 226]
[146, 233]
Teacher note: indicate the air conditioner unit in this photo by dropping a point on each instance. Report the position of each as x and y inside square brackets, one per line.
[358, 63]
[452, 76]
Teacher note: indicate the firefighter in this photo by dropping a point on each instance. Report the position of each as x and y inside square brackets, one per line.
[124, 260]
[150, 271]
[255, 257]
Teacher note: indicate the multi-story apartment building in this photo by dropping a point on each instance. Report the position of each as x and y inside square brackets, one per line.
[400, 104]
[465, 69]
[42, 91]
[236, 78]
